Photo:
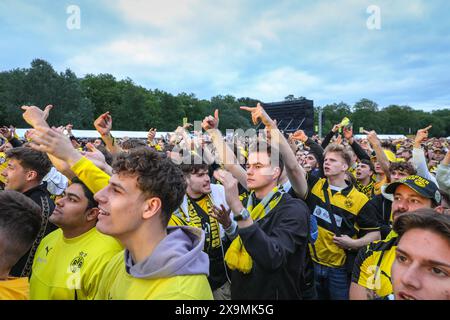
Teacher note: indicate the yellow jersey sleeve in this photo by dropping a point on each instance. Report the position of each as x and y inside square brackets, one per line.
[363, 272]
[94, 178]
[372, 269]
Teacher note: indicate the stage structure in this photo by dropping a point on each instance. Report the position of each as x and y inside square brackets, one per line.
[292, 115]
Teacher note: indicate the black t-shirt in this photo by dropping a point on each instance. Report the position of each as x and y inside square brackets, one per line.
[383, 209]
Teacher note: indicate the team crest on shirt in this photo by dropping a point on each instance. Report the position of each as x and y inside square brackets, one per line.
[348, 203]
[77, 262]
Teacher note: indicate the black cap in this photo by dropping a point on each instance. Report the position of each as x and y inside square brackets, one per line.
[422, 186]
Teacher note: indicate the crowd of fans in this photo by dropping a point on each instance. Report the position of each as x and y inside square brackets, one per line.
[199, 215]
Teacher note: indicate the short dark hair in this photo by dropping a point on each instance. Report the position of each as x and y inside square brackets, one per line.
[427, 219]
[369, 163]
[156, 175]
[32, 160]
[196, 164]
[87, 193]
[20, 221]
[133, 144]
[402, 166]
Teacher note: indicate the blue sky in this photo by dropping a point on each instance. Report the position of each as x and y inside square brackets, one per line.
[322, 50]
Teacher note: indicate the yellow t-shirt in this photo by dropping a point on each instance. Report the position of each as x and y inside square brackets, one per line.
[117, 284]
[3, 165]
[15, 289]
[373, 266]
[70, 269]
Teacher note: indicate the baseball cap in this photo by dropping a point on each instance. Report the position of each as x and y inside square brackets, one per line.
[422, 186]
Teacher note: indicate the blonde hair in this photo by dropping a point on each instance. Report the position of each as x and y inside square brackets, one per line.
[340, 149]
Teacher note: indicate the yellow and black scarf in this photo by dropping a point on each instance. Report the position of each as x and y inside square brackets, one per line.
[368, 190]
[237, 257]
[199, 218]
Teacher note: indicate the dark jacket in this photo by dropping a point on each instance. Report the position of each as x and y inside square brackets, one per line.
[41, 196]
[277, 244]
[383, 209]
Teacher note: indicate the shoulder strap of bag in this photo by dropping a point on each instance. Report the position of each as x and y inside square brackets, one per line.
[336, 230]
[26, 272]
[206, 222]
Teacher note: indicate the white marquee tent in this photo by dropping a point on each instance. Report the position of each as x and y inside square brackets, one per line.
[94, 134]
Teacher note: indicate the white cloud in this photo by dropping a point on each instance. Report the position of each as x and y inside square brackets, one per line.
[321, 50]
[276, 84]
[162, 14]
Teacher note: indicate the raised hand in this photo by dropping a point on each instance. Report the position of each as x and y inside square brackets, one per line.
[35, 116]
[371, 137]
[55, 143]
[259, 114]
[97, 157]
[47, 111]
[103, 124]
[60, 129]
[211, 122]
[299, 135]
[29, 134]
[336, 127]
[422, 135]
[348, 133]
[151, 134]
[93, 153]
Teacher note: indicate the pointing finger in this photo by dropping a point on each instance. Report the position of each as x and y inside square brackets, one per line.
[247, 108]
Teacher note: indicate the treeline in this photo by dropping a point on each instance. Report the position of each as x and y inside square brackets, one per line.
[80, 100]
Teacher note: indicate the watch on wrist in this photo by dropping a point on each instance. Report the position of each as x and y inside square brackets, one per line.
[243, 215]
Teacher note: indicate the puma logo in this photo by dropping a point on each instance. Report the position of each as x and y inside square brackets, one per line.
[47, 250]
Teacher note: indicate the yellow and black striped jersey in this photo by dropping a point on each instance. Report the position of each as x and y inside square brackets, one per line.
[354, 217]
[372, 269]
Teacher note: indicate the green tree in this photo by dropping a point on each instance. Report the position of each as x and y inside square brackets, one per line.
[333, 114]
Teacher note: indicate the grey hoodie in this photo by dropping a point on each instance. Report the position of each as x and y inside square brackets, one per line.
[179, 253]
